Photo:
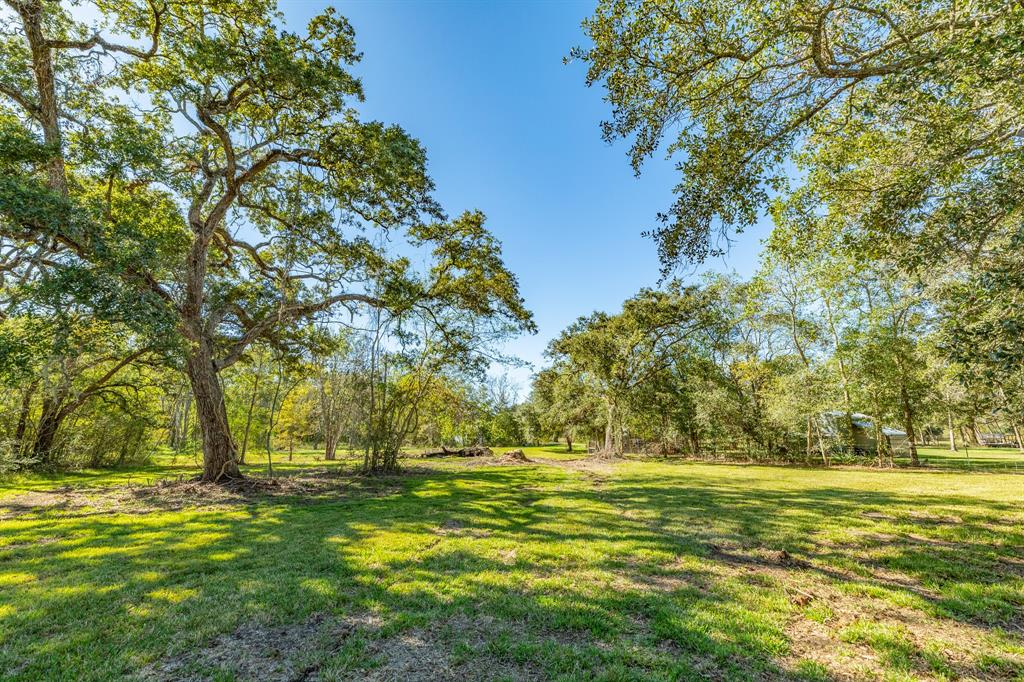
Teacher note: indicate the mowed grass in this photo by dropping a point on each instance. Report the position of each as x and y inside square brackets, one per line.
[978, 458]
[561, 569]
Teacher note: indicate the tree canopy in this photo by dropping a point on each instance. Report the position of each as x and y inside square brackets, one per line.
[891, 104]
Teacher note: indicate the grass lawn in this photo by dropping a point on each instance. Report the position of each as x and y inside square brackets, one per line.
[563, 568]
[980, 458]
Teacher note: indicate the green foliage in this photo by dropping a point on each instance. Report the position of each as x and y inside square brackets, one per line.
[221, 189]
[886, 132]
[742, 88]
[674, 367]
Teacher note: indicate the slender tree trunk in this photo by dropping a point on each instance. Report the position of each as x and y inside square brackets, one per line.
[248, 415]
[809, 446]
[821, 444]
[219, 455]
[180, 416]
[1016, 434]
[273, 410]
[187, 427]
[847, 401]
[568, 440]
[329, 421]
[172, 424]
[609, 429]
[908, 421]
[952, 437]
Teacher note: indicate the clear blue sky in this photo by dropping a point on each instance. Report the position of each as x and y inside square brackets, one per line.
[511, 130]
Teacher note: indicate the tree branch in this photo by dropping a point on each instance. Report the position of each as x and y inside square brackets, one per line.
[288, 314]
[98, 41]
[100, 383]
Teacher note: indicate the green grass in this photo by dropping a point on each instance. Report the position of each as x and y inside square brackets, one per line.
[979, 458]
[561, 569]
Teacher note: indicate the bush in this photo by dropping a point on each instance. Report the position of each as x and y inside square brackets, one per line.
[11, 459]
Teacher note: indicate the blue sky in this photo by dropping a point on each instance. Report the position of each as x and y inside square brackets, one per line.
[513, 131]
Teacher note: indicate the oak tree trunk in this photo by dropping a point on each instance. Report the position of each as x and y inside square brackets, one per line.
[23, 413]
[220, 461]
[47, 112]
[49, 423]
[609, 429]
[972, 431]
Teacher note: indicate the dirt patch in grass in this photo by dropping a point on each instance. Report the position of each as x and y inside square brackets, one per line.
[595, 469]
[757, 556]
[511, 458]
[66, 499]
[457, 528]
[175, 495]
[938, 519]
[277, 653]
[860, 637]
[918, 517]
[451, 649]
[854, 636]
[836, 627]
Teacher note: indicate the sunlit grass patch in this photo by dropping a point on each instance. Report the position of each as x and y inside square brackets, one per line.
[553, 570]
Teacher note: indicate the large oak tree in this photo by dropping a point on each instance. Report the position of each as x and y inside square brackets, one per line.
[284, 200]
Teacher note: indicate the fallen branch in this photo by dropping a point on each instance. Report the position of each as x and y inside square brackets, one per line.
[471, 451]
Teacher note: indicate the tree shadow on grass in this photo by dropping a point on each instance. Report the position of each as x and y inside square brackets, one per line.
[577, 580]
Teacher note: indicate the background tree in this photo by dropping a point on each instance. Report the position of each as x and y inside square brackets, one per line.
[618, 353]
[566, 404]
[335, 391]
[893, 126]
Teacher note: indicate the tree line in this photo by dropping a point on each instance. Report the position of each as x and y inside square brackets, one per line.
[884, 141]
[343, 395]
[776, 368]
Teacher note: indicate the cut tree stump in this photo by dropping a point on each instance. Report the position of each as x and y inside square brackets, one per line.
[515, 456]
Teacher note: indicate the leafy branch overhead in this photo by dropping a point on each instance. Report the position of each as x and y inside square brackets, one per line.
[739, 92]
